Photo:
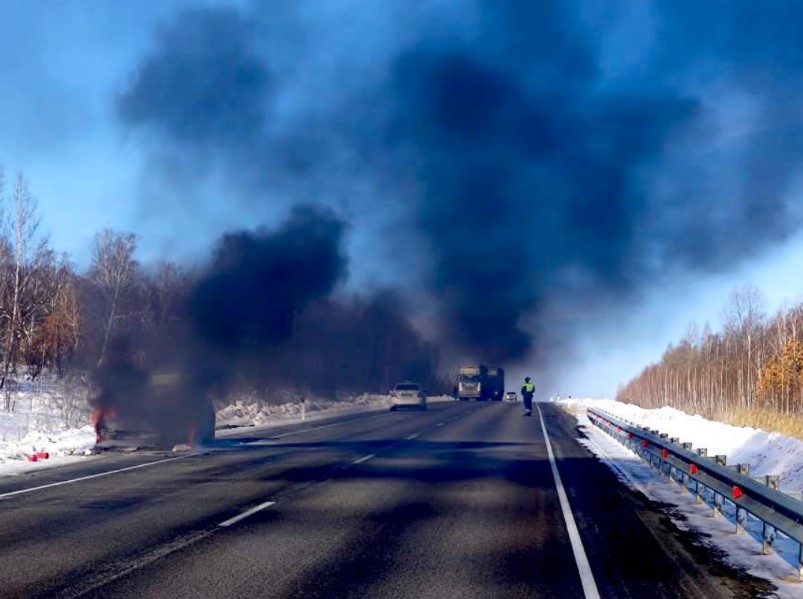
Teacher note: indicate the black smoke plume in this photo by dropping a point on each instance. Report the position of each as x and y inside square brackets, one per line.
[204, 86]
[529, 152]
[234, 317]
[258, 282]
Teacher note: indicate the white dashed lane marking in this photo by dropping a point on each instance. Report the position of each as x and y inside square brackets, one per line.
[246, 513]
[364, 458]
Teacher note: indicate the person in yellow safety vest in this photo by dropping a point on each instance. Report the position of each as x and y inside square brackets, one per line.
[527, 392]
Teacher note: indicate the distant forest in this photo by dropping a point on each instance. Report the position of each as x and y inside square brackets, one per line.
[57, 318]
[749, 373]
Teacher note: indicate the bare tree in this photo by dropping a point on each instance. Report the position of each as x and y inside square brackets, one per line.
[167, 288]
[59, 320]
[29, 250]
[113, 273]
[745, 316]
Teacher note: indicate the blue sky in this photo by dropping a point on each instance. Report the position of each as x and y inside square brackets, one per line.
[64, 64]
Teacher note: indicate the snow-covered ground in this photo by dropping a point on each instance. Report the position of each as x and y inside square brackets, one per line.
[253, 413]
[46, 416]
[257, 414]
[767, 453]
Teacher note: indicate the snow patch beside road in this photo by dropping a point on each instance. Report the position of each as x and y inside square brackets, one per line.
[62, 447]
[767, 453]
[255, 413]
[259, 414]
[48, 415]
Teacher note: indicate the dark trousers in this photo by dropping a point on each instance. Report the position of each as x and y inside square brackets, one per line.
[528, 401]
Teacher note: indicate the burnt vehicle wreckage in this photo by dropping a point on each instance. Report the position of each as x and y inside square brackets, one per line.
[156, 408]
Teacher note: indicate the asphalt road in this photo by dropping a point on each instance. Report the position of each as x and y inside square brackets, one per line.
[459, 501]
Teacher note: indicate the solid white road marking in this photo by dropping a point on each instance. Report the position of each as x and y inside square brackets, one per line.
[364, 458]
[247, 513]
[411, 437]
[586, 576]
[439, 424]
[98, 475]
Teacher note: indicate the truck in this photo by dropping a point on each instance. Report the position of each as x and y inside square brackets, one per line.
[481, 383]
[496, 383]
[471, 382]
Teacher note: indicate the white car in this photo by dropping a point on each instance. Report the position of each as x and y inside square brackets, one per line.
[511, 396]
[408, 395]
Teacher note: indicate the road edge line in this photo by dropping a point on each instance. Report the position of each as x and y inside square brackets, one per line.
[581, 559]
[91, 476]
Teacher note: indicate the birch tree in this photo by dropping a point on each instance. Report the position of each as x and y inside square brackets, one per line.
[28, 251]
[113, 273]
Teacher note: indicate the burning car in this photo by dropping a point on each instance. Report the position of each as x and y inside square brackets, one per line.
[165, 412]
[159, 409]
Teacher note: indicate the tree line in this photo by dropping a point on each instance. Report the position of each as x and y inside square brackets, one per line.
[753, 365]
[55, 317]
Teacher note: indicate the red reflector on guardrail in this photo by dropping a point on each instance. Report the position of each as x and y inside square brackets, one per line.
[645, 443]
[629, 435]
[42, 455]
[737, 492]
[693, 468]
[33, 458]
[664, 453]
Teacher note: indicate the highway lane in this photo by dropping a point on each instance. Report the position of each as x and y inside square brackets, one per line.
[57, 535]
[115, 460]
[459, 501]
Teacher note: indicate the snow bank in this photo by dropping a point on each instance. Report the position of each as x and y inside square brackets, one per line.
[47, 415]
[62, 447]
[767, 453]
[245, 413]
[254, 413]
[743, 551]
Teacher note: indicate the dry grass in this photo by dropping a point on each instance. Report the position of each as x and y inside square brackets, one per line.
[789, 424]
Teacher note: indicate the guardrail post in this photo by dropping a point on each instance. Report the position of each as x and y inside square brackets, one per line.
[720, 459]
[741, 516]
[717, 507]
[743, 469]
[768, 536]
[702, 452]
[674, 439]
[800, 562]
[772, 481]
[686, 445]
[698, 496]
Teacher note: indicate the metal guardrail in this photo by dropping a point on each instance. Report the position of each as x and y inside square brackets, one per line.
[706, 475]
